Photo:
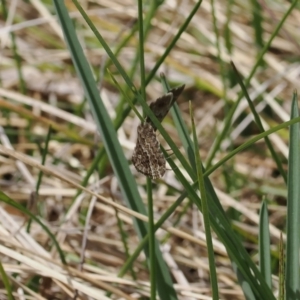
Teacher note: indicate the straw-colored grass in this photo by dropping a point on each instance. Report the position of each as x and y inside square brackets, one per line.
[39, 89]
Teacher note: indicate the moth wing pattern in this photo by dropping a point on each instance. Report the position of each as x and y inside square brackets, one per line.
[147, 156]
[161, 106]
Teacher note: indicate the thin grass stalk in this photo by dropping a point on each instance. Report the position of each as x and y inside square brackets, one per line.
[293, 209]
[44, 155]
[132, 71]
[219, 54]
[259, 123]
[257, 23]
[90, 172]
[250, 142]
[143, 242]
[281, 269]
[152, 260]
[149, 182]
[125, 243]
[6, 283]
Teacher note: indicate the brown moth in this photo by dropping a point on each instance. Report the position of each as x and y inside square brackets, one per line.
[147, 156]
[162, 105]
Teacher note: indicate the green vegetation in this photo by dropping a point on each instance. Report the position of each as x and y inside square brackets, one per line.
[77, 220]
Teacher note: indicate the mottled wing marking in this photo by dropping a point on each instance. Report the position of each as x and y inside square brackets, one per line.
[147, 156]
[162, 105]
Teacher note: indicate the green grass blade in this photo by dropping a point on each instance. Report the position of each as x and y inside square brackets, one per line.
[181, 128]
[111, 143]
[6, 283]
[281, 269]
[44, 155]
[264, 245]
[174, 41]
[250, 142]
[249, 295]
[205, 212]
[293, 209]
[257, 23]
[259, 124]
[105, 46]
[220, 60]
[152, 260]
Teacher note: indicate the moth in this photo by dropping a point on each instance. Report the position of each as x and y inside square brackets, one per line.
[147, 156]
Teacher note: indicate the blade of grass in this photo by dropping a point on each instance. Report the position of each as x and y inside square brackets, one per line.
[205, 212]
[151, 231]
[246, 287]
[220, 60]
[264, 245]
[259, 123]
[40, 176]
[257, 23]
[44, 155]
[250, 142]
[293, 208]
[152, 260]
[281, 269]
[6, 283]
